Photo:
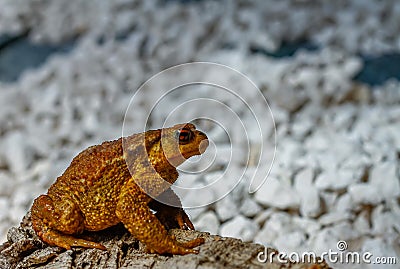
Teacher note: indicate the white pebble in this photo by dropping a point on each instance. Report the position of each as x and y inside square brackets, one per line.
[194, 213]
[301, 127]
[291, 242]
[249, 207]
[364, 193]
[309, 226]
[7, 184]
[335, 180]
[277, 194]
[261, 217]
[226, 208]
[239, 227]
[344, 203]
[16, 213]
[333, 217]
[277, 224]
[378, 247]
[4, 208]
[385, 180]
[207, 222]
[361, 223]
[309, 197]
[329, 200]
[384, 222]
[17, 154]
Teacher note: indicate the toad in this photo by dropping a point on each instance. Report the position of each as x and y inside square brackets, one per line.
[122, 181]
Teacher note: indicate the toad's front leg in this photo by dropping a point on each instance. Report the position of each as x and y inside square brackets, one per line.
[135, 214]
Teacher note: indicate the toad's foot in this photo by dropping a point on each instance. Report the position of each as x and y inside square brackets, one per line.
[67, 241]
[170, 245]
[192, 243]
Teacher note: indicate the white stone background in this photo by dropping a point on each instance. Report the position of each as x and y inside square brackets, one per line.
[336, 172]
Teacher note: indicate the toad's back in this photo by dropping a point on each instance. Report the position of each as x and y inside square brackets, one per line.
[93, 181]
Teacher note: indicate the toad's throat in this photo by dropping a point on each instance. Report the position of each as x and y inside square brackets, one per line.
[177, 160]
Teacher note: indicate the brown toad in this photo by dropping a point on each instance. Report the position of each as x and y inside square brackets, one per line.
[116, 182]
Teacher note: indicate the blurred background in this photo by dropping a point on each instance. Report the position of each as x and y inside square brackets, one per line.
[329, 69]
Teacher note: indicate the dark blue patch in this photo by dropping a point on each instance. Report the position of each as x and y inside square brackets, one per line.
[378, 69]
[287, 49]
[18, 53]
[180, 1]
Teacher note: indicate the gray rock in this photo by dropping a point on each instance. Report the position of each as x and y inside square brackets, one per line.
[384, 222]
[291, 242]
[344, 203]
[261, 217]
[384, 178]
[194, 213]
[288, 150]
[329, 200]
[323, 240]
[221, 184]
[318, 141]
[361, 223]
[309, 197]
[249, 207]
[24, 194]
[226, 208]
[25, 250]
[345, 231]
[7, 184]
[207, 222]
[301, 127]
[239, 227]
[277, 224]
[335, 180]
[364, 193]
[278, 194]
[333, 217]
[327, 160]
[195, 198]
[4, 207]
[343, 117]
[310, 203]
[17, 154]
[16, 213]
[379, 248]
[309, 226]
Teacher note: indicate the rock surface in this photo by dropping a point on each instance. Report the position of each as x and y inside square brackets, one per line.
[24, 250]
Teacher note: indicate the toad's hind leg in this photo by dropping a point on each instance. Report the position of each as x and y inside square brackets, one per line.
[55, 223]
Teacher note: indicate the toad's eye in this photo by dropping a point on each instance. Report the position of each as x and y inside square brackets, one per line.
[184, 136]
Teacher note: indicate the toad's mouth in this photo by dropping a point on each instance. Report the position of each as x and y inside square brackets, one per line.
[196, 151]
[178, 159]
